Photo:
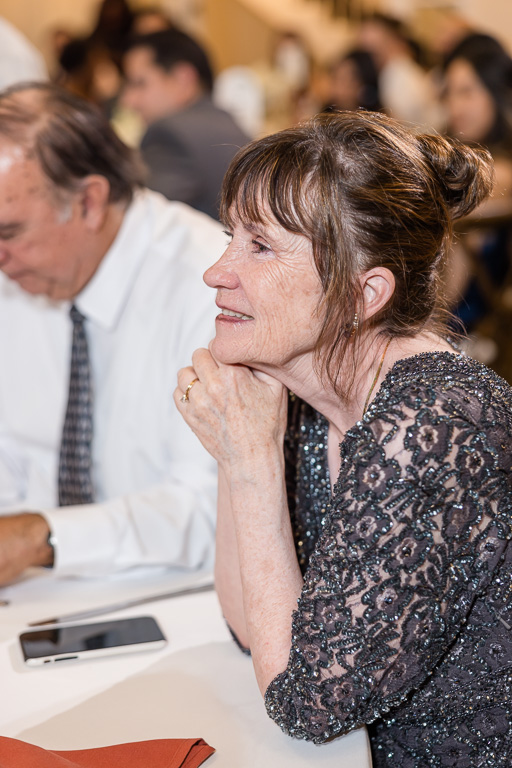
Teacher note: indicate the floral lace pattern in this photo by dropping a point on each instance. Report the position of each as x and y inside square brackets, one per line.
[405, 618]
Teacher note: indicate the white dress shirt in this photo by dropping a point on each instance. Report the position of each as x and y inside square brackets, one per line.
[147, 310]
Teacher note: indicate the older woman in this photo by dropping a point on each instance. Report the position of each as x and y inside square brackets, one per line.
[365, 564]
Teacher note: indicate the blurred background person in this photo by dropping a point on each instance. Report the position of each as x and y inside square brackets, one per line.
[89, 65]
[291, 70]
[405, 88]
[354, 83]
[478, 102]
[189, 142]
[292, 61]
[478, 99]
[88, 71]
[113, 26]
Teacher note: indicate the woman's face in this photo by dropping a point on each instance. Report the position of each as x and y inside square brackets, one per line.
[268, 292]
[471, 111]
[346, 86]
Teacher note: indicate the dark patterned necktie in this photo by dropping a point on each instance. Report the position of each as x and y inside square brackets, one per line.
[75, 483]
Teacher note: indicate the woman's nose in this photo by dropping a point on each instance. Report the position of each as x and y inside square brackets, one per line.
[221, 274]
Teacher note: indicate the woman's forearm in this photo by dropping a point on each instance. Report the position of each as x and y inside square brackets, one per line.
[240, 417]
[228, 581]
[270, 575]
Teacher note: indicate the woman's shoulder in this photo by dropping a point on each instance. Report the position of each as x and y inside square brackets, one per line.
[452, 382]
[437, 393]
[439, 420]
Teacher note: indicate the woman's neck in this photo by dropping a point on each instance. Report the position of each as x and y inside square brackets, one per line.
[375, 358]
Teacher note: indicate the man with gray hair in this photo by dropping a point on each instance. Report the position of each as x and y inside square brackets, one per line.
[101, 302]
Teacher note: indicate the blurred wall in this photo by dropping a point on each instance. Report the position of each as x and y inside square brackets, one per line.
[234, 33]
[37, 19]
[491, 16]
[494, 17]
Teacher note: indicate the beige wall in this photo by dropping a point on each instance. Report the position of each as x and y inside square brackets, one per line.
[37, 18]
[492, 16]
[235, 35]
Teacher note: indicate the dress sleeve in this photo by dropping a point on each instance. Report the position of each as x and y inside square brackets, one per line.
[419, 520]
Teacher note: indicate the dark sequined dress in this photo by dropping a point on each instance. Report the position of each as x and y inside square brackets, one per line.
[405, 619]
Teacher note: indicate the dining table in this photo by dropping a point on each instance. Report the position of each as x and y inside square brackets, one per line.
[199, 685]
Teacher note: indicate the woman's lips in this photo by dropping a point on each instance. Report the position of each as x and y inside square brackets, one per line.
[230, 313]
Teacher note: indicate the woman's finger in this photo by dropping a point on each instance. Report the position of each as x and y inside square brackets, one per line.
[185, 376]
[203, 363]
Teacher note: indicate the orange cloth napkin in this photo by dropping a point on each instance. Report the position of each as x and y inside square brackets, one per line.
[160, 753]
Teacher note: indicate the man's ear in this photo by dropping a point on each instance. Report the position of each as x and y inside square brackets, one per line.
[93, 199]
[378, 287]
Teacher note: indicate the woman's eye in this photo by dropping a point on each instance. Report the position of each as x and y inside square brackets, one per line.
[260, 247]
[229, 236]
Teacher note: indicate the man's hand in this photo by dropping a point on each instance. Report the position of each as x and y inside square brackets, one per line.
[23, 543]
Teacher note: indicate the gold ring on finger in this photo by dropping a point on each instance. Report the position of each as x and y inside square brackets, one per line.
[184, 397]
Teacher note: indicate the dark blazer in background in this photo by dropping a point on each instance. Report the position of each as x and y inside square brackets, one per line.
[188, 152]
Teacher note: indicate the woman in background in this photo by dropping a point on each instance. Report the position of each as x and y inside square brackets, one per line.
[478, 102]
[354, 83]
[478, 95]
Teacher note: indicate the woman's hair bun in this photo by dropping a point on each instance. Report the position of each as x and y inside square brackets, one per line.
[466, 174]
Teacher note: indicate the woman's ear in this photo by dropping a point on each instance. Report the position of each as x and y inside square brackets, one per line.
[378, 286]
[94, 201]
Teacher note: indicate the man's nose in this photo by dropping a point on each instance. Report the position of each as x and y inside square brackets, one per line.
[4, 257]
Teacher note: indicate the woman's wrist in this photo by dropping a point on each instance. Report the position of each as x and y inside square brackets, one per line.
[263, 463]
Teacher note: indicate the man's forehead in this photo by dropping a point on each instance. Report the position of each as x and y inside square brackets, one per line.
[15, 156]
[11, 155]
[20, 173]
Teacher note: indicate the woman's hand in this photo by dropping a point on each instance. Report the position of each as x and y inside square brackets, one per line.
[236, 412]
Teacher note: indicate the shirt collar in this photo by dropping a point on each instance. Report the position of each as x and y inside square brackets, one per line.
[105, 295]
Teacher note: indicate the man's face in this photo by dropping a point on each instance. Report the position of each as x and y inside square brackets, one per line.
[41, 241]
[149, 89]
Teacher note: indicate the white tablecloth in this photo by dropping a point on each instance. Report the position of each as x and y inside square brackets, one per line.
[200, 685]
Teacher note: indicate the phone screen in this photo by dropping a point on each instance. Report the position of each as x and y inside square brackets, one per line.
[89, 637]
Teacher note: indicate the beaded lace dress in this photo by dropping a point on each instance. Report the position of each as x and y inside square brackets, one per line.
[405, 619]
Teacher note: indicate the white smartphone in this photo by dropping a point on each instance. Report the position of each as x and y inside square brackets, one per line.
[71, 642]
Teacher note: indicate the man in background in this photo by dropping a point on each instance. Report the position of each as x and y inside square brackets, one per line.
[189, 142]
[101, 302]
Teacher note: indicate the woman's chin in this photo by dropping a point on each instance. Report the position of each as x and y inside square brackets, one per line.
[224, 353]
